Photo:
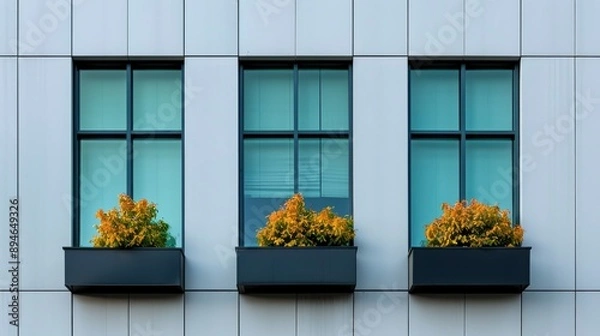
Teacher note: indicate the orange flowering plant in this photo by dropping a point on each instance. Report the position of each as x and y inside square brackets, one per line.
[295, 225]
[132, 224]
[473, 225]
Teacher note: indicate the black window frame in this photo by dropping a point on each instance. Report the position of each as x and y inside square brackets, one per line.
[129, 134]
[462, 134]
[294, 134]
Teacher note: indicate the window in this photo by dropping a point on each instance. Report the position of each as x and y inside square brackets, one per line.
[295, 137]
[128, 127]
[463, 139]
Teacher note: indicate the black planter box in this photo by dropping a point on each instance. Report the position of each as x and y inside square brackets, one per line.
[296, 269]
[468, 270]
[113, 271]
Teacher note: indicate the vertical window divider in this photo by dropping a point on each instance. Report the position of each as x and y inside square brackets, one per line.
[76, 161]
[462, 116]
[241, 181]
[128, 137]
[321, 146]
[516, 164]
[296, 149]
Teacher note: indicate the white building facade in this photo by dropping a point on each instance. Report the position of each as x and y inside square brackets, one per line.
[552, 46]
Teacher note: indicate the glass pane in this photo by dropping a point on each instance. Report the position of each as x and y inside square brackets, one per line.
[157, 178]
[323, 100]
[434, 180]
[434, 99]
[102, 100]
[103, 176]
[268, 181]
[489, 172]
[489, 104]
[268, 100]
[323, 166]
[157, 100]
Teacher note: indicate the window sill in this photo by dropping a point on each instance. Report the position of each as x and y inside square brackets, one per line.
[91, 270]
[296, 269]
[487, 270]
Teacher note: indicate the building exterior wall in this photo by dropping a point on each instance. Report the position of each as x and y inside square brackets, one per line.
[558, 47]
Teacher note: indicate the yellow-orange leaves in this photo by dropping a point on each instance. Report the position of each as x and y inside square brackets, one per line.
[295, 225]
[132, 224]
[473, 225]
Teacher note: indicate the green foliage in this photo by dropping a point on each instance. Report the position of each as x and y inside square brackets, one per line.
[295, 225]
[473, 225]
[132, 224]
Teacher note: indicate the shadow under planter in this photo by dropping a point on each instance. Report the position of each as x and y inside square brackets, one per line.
[296, 269]
[489, 270]
[90, 270]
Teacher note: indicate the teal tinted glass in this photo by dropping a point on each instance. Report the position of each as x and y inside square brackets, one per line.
[434, 180]
[489, 100]
[323, 100]
[434, 97]
[157, 177]
[489, 172]
[103, 173]
[268, 167]
[157, 100]
[323, 166]
[102, 100]
[268, 100]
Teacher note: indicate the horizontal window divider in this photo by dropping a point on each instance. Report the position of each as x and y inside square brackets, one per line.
[468, 135]
[123, 135]
[301, 135]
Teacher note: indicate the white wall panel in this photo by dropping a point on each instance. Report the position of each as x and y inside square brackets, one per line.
[503, 312]
[45, 27]
[380, 27]
[211, 172]
[324, 27]
[156, 27]
[380, 178]
[211, 27]
[156, 315]
[587, 118]
[275, 313]
[432, 315]
[47, 313]
[8, 155]
[44, 170]
[267, 27]
[548, 170]
[8, 27]
[100, 315]
[213, 313]
[548, 27]
[587, 26]
[586, 319]
[492, 27]
[380, 314]
[327, 314]
[436, 27]
[546, 313]
[100, 28]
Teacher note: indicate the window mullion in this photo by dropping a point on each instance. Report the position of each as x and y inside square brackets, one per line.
[463, 136]
[129, 141]
[295, 93]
